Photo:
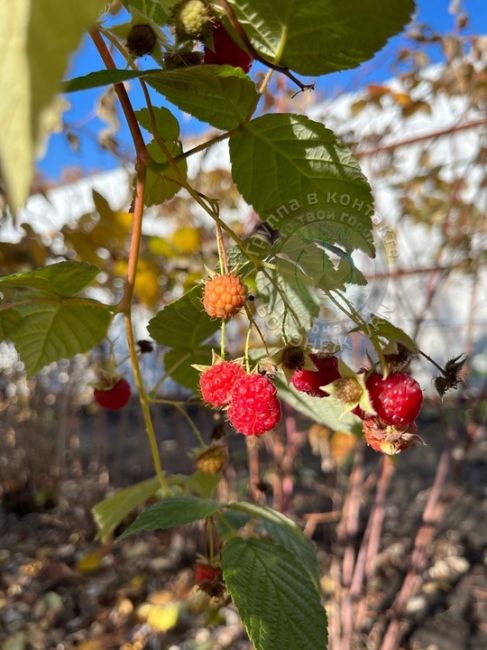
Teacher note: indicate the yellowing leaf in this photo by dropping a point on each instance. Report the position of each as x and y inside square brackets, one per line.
[186, 240]
[124, 219]
[89, 562]
[160, 617]
[161, 247]
[147, 285]
[37, 38]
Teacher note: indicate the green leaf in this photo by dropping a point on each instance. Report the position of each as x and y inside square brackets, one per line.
[298, 544]
[171, 512]
[62, 279]
[110, 512]
[202, 484]
[167, 125]
[183, 320]
[290, 306]
[383, 327]
[37, 38]
[158, 11]
[317, 262]
[161, 186]
[9, 321]
[103, 78]
[327, 411]
[221, 95]
[315, 38]
[297, 175]
[53, 329]
[179, 361]
[285, 532]
[276, 599]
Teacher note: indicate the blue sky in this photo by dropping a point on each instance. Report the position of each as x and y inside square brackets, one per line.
[90, 158]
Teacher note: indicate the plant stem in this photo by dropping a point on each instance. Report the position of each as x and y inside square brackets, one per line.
[193, 426]
[125, 305]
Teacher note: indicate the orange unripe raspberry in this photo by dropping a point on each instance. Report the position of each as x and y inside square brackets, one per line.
[223, 296]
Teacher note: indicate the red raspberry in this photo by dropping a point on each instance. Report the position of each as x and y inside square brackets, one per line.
[226, 51]
[113, 396]
[387, 439]
[206, 573]
[254, 407]
[309, 381]
[217, 382]
[396, 400]
[223, 296]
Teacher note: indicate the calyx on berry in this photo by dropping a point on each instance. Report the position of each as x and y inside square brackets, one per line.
[211, 460]
[388, 439]
[350, 389]
[324, 370]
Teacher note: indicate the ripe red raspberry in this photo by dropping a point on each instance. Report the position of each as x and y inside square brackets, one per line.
[226, 51]
[254, 407]
[113, 395]
[397, 400]
[309, 381]
[217, 382]
[204, 572]
[387, 439]
[223, 296]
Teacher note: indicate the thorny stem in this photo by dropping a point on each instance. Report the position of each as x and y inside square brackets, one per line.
[125, 305]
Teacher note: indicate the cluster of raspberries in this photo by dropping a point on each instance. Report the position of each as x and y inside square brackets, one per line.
[396, 401]
[251, 399]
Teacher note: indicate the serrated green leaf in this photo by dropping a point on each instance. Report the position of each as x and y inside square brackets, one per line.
[183, 320]
[9, 321]
[328, 411]
[290, 306]
[101, 78]
[315, 38]
[54, 329]
[317, 261]
[62, 279]
[383, 327]
[221, 95]
[285, 532]
[37, 39]
[275, 597]
[298, 544]
[110, 512]
[179, 361]
[161, 186]
[202, 484]
[158, 11]
[167, 125]
[298, 176]
[171, 512]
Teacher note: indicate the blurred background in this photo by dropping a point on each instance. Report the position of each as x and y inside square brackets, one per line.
[416, 117]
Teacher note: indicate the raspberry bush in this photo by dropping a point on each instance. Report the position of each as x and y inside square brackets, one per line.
[258, 291]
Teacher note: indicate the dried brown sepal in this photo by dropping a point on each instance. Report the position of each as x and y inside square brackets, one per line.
[451, 375]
